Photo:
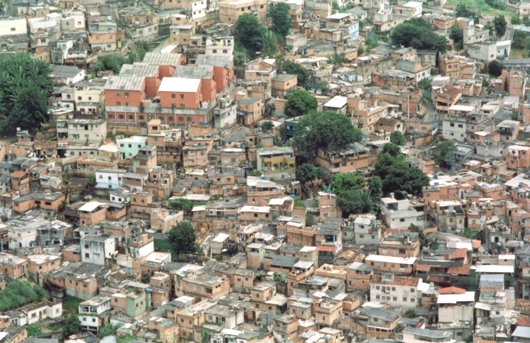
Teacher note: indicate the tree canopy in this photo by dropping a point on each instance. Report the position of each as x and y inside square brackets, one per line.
[19, 293]
[182, 236]
[303, 75]
[457, 35]
[465, 12]
[254, 36]
[248, 29]
[71, 326]
[326, 130]
[397, 138]
[344, 182]
[372, 41]
[299, 102]
[443, 152]
[307, 172]
[352, 195]
[281, 19]
[500, 24]
[495, 68]
[181, 204]
[25, 86]
[396, 174]
[417, 33]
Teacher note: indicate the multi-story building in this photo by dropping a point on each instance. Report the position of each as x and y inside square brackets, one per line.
[366, 230]
[94, 313]
[400, 214]
[98, 249]
[82, 131]
[103, 36]
[276, 163]
[229, 11]
[399, 291]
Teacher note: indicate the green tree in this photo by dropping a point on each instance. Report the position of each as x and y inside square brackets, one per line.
[299, 102]
[281, 20]
[360, 51]
[71, 325]
[418, 34]
[108, 330]
[396, 174]
[112, 63]
[182, 236]
[307, 172]
[425, 84]
[443, 152]
[457, 35]
[181, 204]
[326, 130]
[91, 181]
[410, 313]
[397, 138]
[267, 126]
[372, 41]
[356, 201]
[290, 67]
[465, 12]
[267, 41]
[375, 186]
[519, 39]
[345, 182]
[469, 233]
[500, 24]
[25, 86]
[515, 20]
[495, 68]
[309, 219]
[33, 330]
[248, 29]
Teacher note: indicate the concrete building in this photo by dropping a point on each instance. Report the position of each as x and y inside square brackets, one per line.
[98, 249]
[109, 178]
[94, 313]
[277, 162]
[400, 214]
[130, 146]
[82, 131]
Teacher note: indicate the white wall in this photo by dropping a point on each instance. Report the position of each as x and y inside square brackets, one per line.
[13, 27]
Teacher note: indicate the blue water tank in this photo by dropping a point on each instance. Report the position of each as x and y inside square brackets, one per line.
[328, 190]
[148, 290]
[435, 175]
[205, 122]
[293, 196]
[516, 188]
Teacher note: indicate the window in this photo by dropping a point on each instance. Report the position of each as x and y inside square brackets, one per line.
[173, 96]
[13, 29]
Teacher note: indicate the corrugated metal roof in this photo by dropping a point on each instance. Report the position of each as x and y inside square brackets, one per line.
[156, 58]
[135, 83]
